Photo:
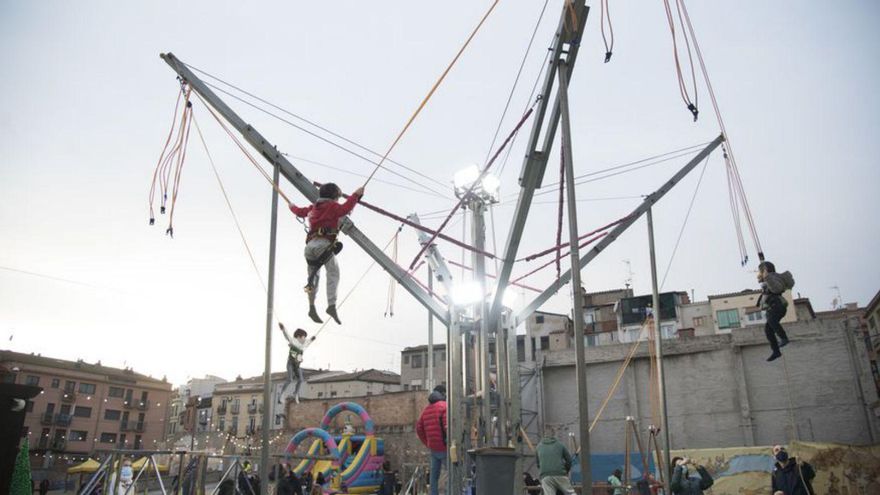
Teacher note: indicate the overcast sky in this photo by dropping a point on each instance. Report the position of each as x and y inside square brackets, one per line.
[86, 104]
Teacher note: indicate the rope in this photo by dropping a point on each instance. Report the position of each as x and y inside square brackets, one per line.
[734, 166]
[178, 167]
[523, 286]
[682, 87]
[561, 204]
[316, 125]
[684, 224]
[545, 265]
[431, 92]
[605, 18]
[161, 156]
[392, 284]
[516, 81]
[566, 244]
[472, 186]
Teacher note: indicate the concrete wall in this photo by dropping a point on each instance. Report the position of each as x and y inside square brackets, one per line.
[723, 393]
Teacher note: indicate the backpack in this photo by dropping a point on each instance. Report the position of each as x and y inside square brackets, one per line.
[788, 279]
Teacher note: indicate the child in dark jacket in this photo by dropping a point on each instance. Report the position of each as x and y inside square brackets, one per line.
[321, 245]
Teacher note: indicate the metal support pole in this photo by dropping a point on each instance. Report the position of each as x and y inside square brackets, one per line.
[658, 342]
[479, 240]
[455, 402]
[502, 384]
[577, 301]
[429, 383]
[267, 369]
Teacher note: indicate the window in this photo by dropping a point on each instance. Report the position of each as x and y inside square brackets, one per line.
[333, 394]
[112, 415]
[277, 419]
[65, 408]
[122, 440]
[545, 343]
[116, 392]
[222, 425]
[539, 319]
[87, 388]
[108, 438]
[56, 383]
[32, 380]
[872, 323]
[138, 442]
[405, 388]
[417, 361]
[50, 408]
[77, 436]
[69, 386]
[520, 350]
[82, 412]
[699, 321]
[29, 406]
[406, 359]
[755, 316]
[443, 356]
[728, 318]
[320, 394]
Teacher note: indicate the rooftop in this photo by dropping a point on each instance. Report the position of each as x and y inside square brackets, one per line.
[744, 292]
[108, 372]
[424, 347]
[370, 375]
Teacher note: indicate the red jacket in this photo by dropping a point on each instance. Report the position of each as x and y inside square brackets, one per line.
[325, 214]
[432, 423]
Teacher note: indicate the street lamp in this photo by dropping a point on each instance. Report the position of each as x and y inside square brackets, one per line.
[470, 182]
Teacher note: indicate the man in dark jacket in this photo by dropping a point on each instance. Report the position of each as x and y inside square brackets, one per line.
[554, 463]
[431, 429]
[789, 476]
[288, 482]
[773, 286]
[682, 484]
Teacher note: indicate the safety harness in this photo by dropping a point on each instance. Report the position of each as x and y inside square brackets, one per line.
[331, 250]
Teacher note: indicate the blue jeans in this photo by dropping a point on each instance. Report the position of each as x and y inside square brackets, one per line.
[438, 462]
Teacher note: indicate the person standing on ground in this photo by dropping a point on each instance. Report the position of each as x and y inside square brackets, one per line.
[614, 481]
[554, 463]
[789, 476]
[44, 486]
[684, 484]
[431, 429]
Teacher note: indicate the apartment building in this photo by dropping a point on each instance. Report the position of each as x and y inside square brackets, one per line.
[546, 332]
[600, 315]
[740, 309]
[414, 366]
[85, 406]
[356, 384]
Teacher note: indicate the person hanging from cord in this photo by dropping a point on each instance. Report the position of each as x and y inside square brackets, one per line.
[321, 244]
[773, 286]
[298, 345]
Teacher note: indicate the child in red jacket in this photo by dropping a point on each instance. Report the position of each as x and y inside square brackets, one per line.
[321, 244]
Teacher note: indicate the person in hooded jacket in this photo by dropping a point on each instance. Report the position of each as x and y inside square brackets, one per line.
[684, 484]
[773, 285]
[789, 476]
[431, 429]
[554, 463]
[321, 243]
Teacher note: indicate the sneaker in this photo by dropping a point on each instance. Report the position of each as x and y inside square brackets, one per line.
[313, 314]
[331, 310]
[783, 342]
[773, 357]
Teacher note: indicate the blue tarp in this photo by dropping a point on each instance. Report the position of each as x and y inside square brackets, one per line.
[748, 463]
[602, 465]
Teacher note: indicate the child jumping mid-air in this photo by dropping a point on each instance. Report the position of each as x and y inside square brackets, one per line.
[297, 346]
[321, 244]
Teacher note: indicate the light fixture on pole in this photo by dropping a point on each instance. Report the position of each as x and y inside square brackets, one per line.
[469, 180]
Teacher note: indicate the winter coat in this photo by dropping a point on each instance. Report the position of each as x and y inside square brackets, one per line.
[432, 425]
[325, 213]
[289, 485]
[553, 458]
[681, 484]
[788, 478]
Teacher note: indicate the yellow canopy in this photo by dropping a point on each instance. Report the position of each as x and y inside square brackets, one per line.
[138, 464]
[90, 466]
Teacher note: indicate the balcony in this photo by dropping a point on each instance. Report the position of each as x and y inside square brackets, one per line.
[59, 444]
[129, 403]
[125, 426]
[143, 406]
[63, 419]
[68, 396]
[46, 418]
[250, 430]
[221, 409]
[252, 409]
[235, 408]
[140, 427]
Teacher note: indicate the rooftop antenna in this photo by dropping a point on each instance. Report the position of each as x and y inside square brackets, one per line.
[627, 282]
[837, 302]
